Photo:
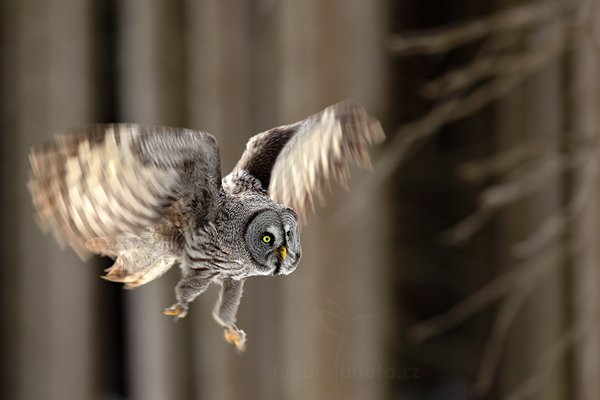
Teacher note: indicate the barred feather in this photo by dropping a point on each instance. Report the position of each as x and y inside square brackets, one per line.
[104, 181]
[297, 162]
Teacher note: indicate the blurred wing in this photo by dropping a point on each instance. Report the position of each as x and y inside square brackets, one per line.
[106, 180]
[297, 161]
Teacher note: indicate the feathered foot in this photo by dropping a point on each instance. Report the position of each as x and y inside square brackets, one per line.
[177, 310]
[236, 337]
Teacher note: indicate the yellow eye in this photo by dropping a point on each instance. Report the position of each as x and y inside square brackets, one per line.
[267, 238]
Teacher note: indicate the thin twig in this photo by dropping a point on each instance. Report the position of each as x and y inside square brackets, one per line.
[498, 196]
[556, 224]
[496, 65]
[518, 278]
[550, 359]
[529, 180]
[495, 342]
[504, 161]
[550, 230]
[415, 132]
[466, 228]
[447, 38]
[526, 150]
[410, 135]
[446, 112]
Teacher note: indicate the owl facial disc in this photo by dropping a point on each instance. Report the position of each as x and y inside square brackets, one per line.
[273, 242]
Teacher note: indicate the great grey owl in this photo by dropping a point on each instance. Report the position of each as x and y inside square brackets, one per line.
[153, 197]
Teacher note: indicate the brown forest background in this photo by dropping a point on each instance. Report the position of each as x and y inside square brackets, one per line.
[465, 266]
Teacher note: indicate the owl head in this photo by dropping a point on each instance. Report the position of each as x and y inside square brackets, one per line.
[273, 241]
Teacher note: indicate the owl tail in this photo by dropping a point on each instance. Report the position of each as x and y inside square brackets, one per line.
[137, 261]
[134, 275]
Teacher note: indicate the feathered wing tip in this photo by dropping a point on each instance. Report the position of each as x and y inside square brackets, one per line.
[320, 152]
[49, 200]
[92, 184]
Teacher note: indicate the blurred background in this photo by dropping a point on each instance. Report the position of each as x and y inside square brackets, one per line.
[465, 266]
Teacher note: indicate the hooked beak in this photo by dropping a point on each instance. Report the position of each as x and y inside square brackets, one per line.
[282, 252]
[280, 255]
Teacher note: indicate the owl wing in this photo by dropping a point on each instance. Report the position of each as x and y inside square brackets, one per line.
[297, 161]
[106, 180]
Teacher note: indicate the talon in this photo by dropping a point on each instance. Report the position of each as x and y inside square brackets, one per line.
[236, 337]
[176, 310]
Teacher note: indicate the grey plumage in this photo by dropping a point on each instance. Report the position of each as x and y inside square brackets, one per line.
[153, 197]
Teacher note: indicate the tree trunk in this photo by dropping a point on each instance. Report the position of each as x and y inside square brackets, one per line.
[48, 295]
[583, 99]
[150, 60]
[333, 304]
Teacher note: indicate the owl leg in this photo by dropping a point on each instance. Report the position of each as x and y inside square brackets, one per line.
[189, 287]
[225, 312]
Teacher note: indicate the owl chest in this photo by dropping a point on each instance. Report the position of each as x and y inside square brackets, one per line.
[210, 250]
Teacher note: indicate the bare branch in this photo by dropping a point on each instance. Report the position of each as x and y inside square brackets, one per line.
[417, 131]
[498, 65]
[526, 150]
[529, 181]
[552, 357]
[523, 182]
[495, 343]
[556, 224]
[485, 95]
[497, 196]
[447, 38]
[504, 161]
[548, 231]
[519, 278]
[411, 134]
[466, 228]
[449, 111]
